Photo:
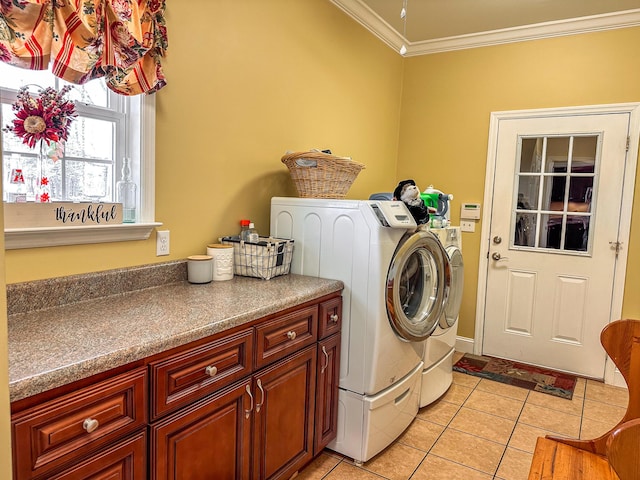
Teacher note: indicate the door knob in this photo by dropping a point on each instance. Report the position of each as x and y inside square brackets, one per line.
[496, 256]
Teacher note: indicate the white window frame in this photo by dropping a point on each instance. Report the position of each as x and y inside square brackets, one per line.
[33, 237]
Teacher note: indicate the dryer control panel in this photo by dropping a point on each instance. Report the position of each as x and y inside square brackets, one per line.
[393, 214]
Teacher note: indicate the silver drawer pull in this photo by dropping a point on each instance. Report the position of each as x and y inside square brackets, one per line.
[211, 371]
[259, 405]
[326, 358]
[247, 413]
[90, 424]
[334, 318]
[291, 335]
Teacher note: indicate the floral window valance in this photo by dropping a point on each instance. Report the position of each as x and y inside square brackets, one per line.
[121, 40]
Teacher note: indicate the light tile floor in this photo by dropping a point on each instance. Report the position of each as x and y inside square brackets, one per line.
[480, 430]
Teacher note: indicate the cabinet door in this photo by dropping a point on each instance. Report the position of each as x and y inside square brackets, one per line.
[127, 460]
[284, 415]
[327, 392]
[207, 440]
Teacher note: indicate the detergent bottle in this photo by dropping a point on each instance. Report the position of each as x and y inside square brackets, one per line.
[438, 201]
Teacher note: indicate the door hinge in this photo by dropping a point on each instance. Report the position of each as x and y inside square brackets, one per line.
[617, 246]
[628, 142]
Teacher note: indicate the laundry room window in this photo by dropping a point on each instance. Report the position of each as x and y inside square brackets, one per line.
[108, 128]
[555, 184]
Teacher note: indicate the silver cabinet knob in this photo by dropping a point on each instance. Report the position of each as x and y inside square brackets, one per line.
[211, 371]
[291, 335]
[90, 424]
[334, 318]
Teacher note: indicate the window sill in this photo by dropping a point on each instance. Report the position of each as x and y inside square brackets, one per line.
[15, 238]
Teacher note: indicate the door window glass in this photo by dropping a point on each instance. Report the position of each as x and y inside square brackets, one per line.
[418, 286]
[555, 182]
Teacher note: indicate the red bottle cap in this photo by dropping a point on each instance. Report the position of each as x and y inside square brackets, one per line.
[244, 223]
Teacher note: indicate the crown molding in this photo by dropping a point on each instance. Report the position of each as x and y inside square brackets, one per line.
[366, 17]
[370, 20]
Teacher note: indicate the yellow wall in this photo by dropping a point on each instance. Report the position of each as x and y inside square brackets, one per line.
[446, 105]
[248, 81]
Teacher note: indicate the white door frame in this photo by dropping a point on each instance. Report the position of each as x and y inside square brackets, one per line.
[624, 230]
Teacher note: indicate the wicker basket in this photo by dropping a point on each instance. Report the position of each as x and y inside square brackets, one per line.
[266, 258]
[321, 175]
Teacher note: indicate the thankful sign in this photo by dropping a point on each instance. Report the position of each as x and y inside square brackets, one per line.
[61, 214]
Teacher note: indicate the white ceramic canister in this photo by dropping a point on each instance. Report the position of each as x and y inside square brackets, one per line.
[199, 268]
[222, 254]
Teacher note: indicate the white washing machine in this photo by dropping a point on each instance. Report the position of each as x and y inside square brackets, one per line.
[437, 374]
[395, 288]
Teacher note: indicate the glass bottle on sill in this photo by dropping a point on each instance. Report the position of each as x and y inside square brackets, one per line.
[126, 190]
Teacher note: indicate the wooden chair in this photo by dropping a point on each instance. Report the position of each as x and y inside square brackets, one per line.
[616, 454]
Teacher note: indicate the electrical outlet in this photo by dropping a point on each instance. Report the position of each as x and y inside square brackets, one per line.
[162, 242]
[465, 226]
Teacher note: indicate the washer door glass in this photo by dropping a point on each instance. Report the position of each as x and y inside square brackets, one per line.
[418, 285]
[452, 308]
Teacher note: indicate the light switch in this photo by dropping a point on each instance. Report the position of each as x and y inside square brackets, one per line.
[467, 226]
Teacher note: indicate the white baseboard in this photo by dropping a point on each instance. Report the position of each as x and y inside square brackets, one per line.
[464, 344]
[618, 379]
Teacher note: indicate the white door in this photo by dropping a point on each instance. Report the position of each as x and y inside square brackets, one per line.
[557, 195]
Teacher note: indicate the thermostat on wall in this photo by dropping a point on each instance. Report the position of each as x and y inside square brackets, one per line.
[470, 211]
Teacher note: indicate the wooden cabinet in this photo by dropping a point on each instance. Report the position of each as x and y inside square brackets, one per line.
[328, 376]
[256, 403]
[286, 334]
[70, 428]
[330, 317]
[213, 438]
[127, 460]
[284, 416]
[188, 376]
[206, 440]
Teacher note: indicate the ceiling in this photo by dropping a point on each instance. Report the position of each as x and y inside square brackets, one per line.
[441, 25]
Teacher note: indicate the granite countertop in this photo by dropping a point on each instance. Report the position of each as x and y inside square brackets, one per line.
[54, 346]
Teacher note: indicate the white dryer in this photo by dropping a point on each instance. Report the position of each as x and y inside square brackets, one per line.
[437, 375]
[395, 288]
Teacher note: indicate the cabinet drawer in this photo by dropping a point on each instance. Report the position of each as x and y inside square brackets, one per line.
[330, 318]
[65, 429]
[283, 335]
[188, 376]
[127, 460]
